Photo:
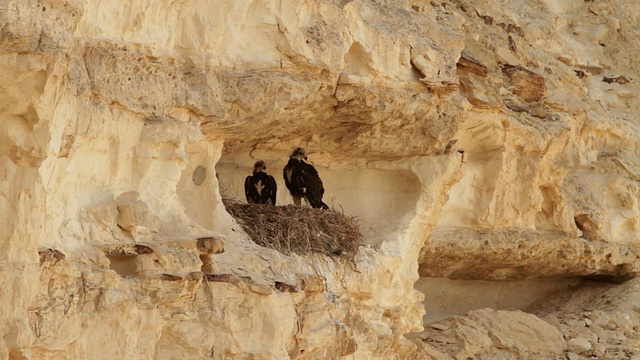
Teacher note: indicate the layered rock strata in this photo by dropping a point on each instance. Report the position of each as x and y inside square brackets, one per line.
[122, 125]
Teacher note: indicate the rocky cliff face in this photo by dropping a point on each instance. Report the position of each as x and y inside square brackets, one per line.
[122, 123]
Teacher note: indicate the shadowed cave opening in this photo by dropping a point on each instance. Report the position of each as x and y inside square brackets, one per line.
[208, 266]
[383, 201]
[446, 298]
[124, 265]
[587, 226]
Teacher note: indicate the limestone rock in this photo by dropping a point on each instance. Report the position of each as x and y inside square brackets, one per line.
[123, 124]
[210, 245]
[491, 334]
[50, 256]
[131, 211]
[573, 356]
[579, 345]
[312, 283]
[465, 253]
[526, 84]
[472, 65]
[128, 250]
[599, 350]
[600, 318]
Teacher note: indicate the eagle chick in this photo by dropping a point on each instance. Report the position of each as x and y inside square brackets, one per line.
[302, 180]
[260, 188]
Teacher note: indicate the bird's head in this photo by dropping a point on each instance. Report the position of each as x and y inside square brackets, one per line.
[299, 153]
[259, 166]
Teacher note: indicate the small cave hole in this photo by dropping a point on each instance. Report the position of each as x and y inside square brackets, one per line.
[380, 201]
[608, 278]
[125, 266]
[445, 297]
[199, 175]
[207, 263]
[416, 74]
[586, 225]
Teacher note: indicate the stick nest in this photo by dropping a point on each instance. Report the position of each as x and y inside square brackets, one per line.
[299, 230]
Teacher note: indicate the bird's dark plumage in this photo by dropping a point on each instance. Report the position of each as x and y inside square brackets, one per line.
[260, 188]
[302, 180]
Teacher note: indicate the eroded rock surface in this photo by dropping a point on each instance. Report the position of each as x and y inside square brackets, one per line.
[122, 125]
[597, 321]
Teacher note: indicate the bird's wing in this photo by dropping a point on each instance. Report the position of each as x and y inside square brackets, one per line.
[287, 168]
[309, 169]
[312, 183]
[272, 188]
[248, 188]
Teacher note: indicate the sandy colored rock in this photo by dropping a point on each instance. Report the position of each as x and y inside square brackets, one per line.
[312, 283]
[553, 321]
[579, 345]
[123, 124]
[489, 333]
[600, 318]
[210, 245]
[573, 356]
[509, 254]
[526, 84]
[599, 350]
[131, 211]
[50, 256]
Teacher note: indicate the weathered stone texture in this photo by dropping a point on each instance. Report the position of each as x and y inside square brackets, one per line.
[123, 123]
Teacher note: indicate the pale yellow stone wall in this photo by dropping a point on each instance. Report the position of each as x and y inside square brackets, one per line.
[107, 108]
